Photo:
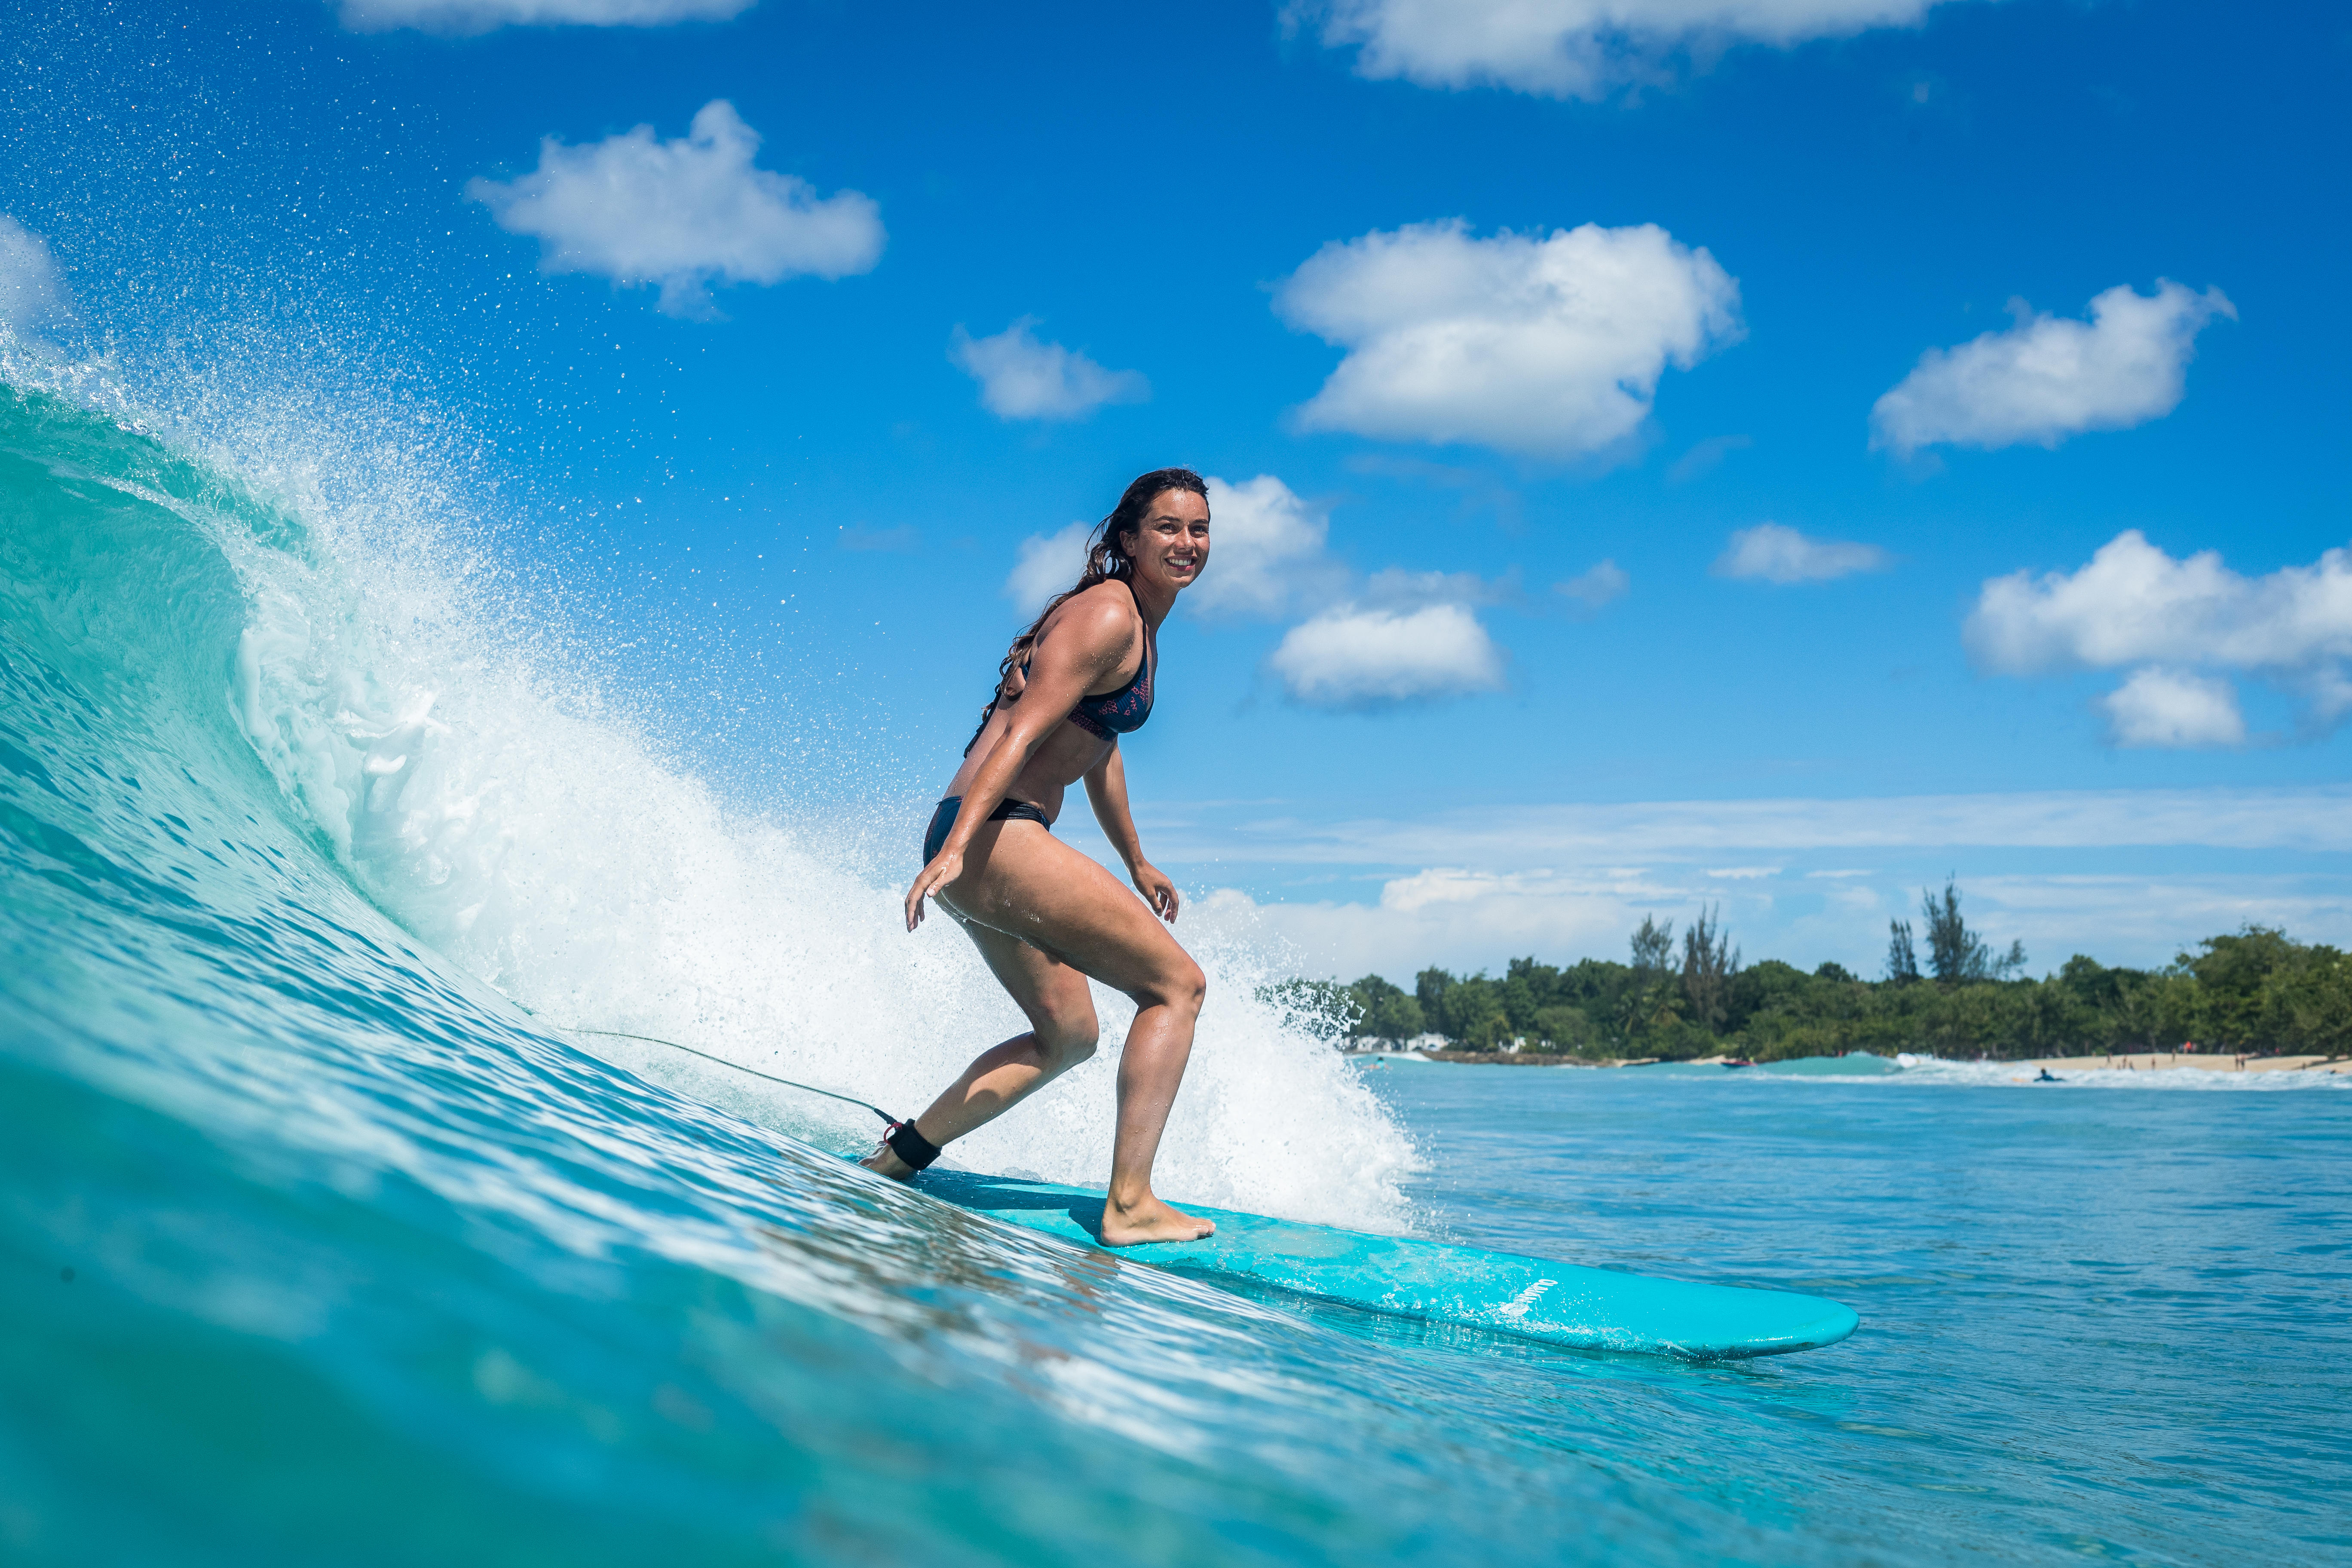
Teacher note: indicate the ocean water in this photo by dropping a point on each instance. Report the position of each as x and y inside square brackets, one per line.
[322, 1240]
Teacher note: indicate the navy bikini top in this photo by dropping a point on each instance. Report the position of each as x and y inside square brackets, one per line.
[1124, 710]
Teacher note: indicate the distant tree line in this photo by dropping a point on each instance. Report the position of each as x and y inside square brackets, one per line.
[2256, 990]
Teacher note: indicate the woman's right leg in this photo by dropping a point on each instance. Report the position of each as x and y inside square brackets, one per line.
[1062, 1033]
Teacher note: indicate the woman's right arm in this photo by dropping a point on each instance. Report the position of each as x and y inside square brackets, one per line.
[1084, 647]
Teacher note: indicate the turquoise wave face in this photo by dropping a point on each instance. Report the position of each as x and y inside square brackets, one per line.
[315, 1246]
[334, 1254]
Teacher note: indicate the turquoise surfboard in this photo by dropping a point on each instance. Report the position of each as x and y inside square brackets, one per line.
[1530, 1298]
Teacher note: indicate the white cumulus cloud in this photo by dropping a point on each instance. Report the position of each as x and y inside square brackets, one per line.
[1359, 657]
[1572, 48]
[2132, 603]
[481, 16]
[1265, 550]
[1545, 345]
[1443, 916]
[1777, 554]
[2049, 377]
[2167, 707]
[32, 293]
[1589, 592]
[682, 213]
[1022, 377]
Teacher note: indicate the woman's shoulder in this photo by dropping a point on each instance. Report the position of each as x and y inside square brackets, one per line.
[1107, 610]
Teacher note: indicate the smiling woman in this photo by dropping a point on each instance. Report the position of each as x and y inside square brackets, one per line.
[1043, 916]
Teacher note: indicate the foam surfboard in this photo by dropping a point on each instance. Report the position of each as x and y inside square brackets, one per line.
[1531, 1298]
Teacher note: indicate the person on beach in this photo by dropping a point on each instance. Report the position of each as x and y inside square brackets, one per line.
[1043, 916]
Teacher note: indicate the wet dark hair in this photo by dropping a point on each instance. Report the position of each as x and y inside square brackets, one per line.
[1106, 561]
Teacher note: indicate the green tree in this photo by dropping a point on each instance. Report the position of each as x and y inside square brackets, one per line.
[1653, 947]
[1473, 1015]
[1430, 988]
[1570, 1028]
[2308, 1002]
[2233, 974]
[1386, 1011]
[1956, 954]
[1902, 958]
[1709, 965]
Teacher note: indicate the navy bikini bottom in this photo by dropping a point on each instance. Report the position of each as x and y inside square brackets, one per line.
[943, 821]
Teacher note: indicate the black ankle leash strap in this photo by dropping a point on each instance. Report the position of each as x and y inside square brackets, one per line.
[909, 1145]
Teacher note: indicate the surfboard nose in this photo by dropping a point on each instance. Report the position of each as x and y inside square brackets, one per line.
[1815, 1322]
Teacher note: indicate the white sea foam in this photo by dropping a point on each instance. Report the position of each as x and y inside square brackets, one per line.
[430, 715]
[1931, 1070]
[1910, 1070]
[1914, 1070]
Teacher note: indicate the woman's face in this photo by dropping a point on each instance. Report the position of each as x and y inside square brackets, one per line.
[1170, 546]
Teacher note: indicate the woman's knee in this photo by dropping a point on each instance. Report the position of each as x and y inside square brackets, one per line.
[1184, 988]
[1068, 1039]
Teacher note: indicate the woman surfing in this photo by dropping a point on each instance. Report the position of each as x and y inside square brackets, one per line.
[1043, 916]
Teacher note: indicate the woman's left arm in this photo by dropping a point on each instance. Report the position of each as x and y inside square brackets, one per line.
[1107, 793]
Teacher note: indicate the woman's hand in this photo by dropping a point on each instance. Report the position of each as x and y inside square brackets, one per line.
[1157, 890]
[941, 871]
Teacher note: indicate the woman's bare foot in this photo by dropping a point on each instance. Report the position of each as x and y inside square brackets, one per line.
[885, 1161]
[1125, 1225]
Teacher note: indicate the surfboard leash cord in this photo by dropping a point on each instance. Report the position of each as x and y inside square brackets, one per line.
[905, 1141]
[804, 1088]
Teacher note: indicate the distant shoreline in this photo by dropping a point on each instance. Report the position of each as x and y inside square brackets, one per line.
[2255, 992]
[2137, 1061]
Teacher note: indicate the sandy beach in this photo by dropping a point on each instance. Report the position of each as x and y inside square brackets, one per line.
[2141, 1061]
[2168, 1061]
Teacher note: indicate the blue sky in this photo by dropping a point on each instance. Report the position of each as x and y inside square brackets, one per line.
[789, 415]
